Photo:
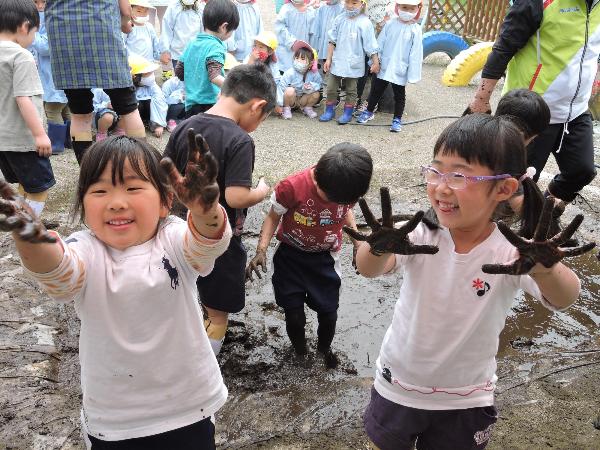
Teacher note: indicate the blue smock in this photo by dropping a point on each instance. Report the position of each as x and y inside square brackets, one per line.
[291, 25]
[293, 78]
[179, 27]
[101, 100]
[242, 40]
[401, 54]
[353, 38]
[41, 52]
[321, 26]
[143, 41]
[174, 91]
[158, 103]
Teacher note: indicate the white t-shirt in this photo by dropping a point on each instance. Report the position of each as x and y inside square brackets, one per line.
[439, 352]
[147, 366]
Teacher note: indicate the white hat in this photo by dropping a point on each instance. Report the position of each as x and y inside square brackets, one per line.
[409, 2]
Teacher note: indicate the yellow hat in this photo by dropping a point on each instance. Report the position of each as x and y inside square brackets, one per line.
[139, 64]
[230, 62]
[143, 3]
[268, 38]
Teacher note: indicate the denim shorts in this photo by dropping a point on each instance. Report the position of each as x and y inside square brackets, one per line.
[30, 170]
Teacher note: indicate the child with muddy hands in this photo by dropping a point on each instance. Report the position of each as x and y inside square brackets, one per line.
[247, 98]
[308, 210]
[131, 276]
[435, 375]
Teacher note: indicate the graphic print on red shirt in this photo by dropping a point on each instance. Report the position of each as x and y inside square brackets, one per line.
[310, 223]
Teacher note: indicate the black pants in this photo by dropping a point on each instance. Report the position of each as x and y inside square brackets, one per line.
[197, 436]
[197, 109]
[378, 87]
[575, 159]
[144, 108]
[176, 112]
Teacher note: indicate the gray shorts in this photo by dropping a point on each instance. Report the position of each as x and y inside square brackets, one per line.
[392, 426]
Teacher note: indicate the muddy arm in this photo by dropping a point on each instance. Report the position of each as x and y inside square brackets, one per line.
[266, 234]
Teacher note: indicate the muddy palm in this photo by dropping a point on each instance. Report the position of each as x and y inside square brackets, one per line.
[539, 249]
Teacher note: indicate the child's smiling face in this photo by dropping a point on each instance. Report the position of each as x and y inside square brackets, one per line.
[125, 214]
[469, 209]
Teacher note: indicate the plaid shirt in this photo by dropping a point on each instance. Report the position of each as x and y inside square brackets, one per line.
[86, 46]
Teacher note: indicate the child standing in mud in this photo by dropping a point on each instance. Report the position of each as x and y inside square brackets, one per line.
[313, 205]
[148, 374]
[435, 378]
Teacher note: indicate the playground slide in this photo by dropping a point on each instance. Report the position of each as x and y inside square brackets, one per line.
[444, 42]
[468, 62]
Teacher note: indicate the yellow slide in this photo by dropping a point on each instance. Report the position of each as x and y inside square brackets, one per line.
[468, 62]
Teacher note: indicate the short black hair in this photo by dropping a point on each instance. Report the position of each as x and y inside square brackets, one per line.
[218, 12]
[344, 172]
[13, 13]
[116, 150]
[248, 81]
[527, 109]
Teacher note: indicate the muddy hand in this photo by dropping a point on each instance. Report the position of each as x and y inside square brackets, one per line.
[199, 187]
[20, 219]
[259, 260]
[384, 237]
[540, 249]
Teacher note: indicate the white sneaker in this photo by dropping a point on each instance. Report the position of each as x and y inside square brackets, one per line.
[309, 112]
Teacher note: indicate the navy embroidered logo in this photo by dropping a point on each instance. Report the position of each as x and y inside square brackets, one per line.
[481, 287]
[172, 271]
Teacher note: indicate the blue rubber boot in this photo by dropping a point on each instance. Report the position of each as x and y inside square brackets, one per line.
[347, 116]
[57, 133]
[329, 113]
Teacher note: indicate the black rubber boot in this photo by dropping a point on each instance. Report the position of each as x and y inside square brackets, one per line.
[295, 320]
[325, 334]
[79, 147]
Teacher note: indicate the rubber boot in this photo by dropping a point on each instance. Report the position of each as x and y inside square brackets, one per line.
[68, 142]
[346, 117]
[329, 113]
[79, 148]
[295, 320]
[56, 133]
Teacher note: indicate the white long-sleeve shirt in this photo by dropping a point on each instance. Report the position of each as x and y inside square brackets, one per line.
[439, 352]
[147, 366]
[179, 27]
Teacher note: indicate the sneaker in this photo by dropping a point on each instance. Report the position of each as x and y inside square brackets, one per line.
[171, 125]
[309, 112]
[365, 117]
[286, 113]
[361, 108]
[396, 125]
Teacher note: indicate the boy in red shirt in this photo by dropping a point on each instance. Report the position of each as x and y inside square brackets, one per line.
[309, 210]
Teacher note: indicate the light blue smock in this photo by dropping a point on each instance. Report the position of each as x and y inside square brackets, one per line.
[158, 103]
[401, 54]
[353, 38]
[321, 26]
[179, 27]
[174, 91]
[143, 41]
[41, 52]
[274, 66]
[291, 25]
[242, 40]
[293, 78]
[101, 100]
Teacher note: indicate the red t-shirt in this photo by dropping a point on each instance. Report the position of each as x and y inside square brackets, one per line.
[309, 223]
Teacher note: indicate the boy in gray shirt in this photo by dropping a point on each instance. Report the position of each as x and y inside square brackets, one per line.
[24, 144]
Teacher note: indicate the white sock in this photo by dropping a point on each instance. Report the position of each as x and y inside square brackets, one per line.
[37, 207]
[216, 345]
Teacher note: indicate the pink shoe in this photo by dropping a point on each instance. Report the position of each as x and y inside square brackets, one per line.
[100, 136]
[286, 113]
[309, 112]
[171, 125]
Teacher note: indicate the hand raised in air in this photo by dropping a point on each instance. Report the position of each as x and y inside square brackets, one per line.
[384, 237]
[20, 219]
[198, 189]
[540, 249]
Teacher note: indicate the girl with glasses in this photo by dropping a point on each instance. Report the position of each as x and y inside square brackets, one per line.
[436, 371]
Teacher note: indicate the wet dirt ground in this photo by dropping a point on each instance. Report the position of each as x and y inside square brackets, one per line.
[549, 364]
